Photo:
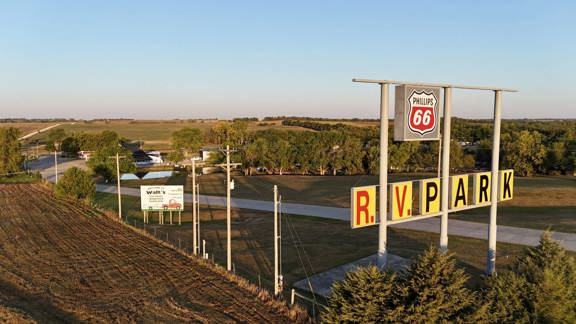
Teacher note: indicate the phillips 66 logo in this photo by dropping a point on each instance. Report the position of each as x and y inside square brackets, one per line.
[421, 116]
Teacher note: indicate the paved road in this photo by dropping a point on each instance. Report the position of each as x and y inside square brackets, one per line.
[507, 234]
[38, 131]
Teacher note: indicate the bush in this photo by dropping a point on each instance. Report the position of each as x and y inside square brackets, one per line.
[431, 290]
[365, 296]
[77, 184]
[541, 287]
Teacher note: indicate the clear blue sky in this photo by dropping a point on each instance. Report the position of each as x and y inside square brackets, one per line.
[199, 59]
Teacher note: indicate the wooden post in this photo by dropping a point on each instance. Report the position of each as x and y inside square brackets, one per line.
[179, 218]
[170, 217]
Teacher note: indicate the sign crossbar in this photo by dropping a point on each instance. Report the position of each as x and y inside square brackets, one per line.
[436, 85]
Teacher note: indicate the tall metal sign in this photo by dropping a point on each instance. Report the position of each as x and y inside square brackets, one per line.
[417, 119]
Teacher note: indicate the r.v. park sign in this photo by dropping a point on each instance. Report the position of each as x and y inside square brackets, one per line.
[467, 191]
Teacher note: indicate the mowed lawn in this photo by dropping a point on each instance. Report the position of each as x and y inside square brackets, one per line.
[309, 244]
[539, 202]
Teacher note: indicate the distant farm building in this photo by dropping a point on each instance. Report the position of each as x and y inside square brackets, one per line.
[209, 153]
[85, 155]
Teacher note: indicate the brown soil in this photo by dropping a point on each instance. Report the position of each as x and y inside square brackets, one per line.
[60, 261]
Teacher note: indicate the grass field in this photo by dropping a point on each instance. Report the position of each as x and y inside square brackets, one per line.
[327, 243]
[63, 262]
[335, 190]
[539, 202]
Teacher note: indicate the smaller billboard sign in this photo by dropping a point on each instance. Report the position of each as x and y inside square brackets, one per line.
[363, 206]
[416, 114]
[156, 198]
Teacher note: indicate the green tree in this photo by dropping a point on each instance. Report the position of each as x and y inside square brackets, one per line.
[101, 162]
[523, 152]
[10, 155]
[433, 290]
[400, 155]
[54, 139]
[366, 295]
[350, 156]
[541, 287]
[70, 145]
[373, 157]
[235, 134]
[77, 184]
[185, 141]
[304, 151]
[555, 158]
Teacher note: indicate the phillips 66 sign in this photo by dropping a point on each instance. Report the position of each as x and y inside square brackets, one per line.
[417, 117]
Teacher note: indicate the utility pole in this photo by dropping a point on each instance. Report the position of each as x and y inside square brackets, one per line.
[118, 157]
[56, 165]
[276, 279]
[198, 214]
[228, 217]
[194, 239]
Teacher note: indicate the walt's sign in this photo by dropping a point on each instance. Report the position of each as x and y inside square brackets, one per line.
[417, 116]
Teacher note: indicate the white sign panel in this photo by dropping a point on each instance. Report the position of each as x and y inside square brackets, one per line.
[162, 197]
[416, 114]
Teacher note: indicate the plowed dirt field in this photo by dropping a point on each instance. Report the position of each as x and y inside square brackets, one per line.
[64, 262]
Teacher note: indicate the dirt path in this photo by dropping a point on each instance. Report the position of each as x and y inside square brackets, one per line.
[61, 262]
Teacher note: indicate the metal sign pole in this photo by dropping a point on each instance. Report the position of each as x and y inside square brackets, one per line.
[491, 257]
[445, 168]
[382, 229]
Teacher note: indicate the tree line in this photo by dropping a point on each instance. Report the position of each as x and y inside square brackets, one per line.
[528, 147]
[337, 149]
[539, 287]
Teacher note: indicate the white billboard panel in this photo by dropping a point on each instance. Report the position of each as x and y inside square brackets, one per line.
[162, 197]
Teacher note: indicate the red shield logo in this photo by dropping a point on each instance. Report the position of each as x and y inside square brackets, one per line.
[422, 114]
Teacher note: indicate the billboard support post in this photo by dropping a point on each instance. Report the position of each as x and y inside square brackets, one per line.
[491, 257]
[445, 168]
[382, 228]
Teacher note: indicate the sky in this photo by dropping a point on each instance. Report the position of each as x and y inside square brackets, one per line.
[224, 59]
